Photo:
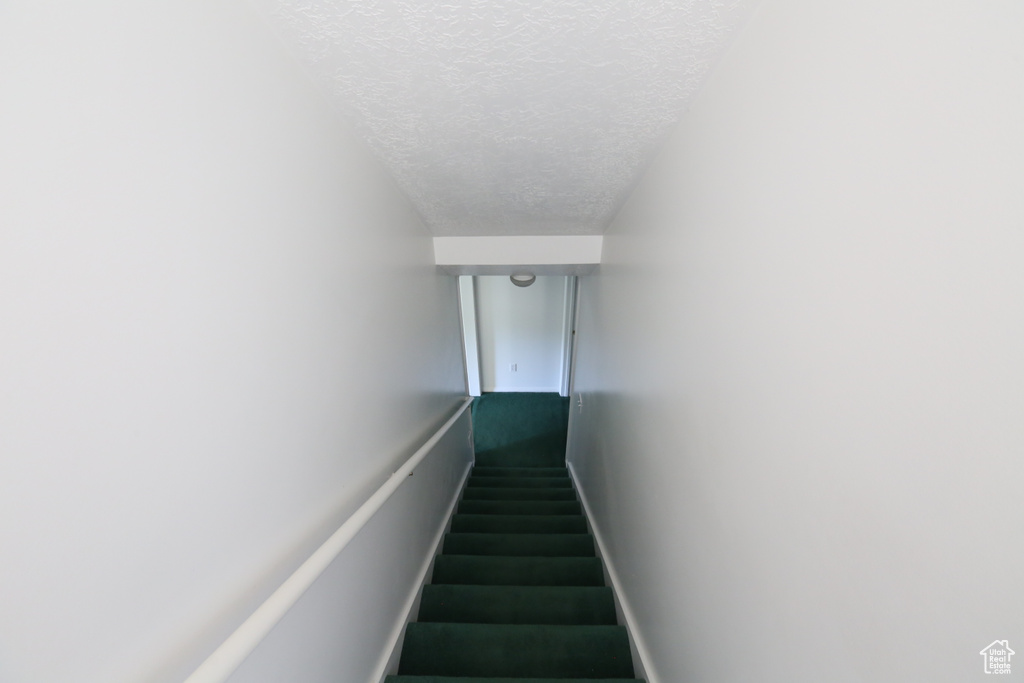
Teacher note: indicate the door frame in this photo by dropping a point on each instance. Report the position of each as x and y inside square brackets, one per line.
[470, 344]
[570, 318]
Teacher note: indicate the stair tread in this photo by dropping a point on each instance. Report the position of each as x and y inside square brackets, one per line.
[520, 472]
[478, 679]
[520, 507]
[520, 482]
[516, 650]
[537, 545]
[517, 604]
[493, 570]
[500, 493]
[524, 524]
[520, 456]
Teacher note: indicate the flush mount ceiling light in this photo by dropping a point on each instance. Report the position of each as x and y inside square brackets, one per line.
[522, 279]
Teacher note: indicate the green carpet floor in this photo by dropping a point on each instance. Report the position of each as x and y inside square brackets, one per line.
[520, 430]
[518, 593]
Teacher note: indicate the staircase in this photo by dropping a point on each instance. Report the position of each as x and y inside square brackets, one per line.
[517, 593]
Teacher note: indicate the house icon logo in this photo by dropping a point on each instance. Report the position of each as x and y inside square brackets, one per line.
[997, 657]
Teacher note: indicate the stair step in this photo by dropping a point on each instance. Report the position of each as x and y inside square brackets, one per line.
[520, 507]
[508, 650]
[520, 482]
[520, 472]
[495, 493]
[519, 524]
[484, 570]
[517, 604]
[521, 456]
[477, 679]
[520, 545]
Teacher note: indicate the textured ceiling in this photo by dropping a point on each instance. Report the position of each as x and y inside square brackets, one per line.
[522, 117]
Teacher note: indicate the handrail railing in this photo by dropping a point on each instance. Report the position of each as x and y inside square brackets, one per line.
[240, 644]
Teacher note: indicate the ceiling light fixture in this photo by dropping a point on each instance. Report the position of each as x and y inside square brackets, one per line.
[522, 279]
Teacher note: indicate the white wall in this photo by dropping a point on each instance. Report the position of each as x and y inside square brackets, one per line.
[198, 383]
[348, 624]
[801, 359]
[521, 326]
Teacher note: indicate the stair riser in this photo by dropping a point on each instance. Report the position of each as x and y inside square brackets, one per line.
[515, 507]
[481, 570]
[520, 545]
[512, 650]
[519, 524]
[519, 458]
[520, 482]
[517, 605]
[518, 495]
[477, 679]
[519, 472]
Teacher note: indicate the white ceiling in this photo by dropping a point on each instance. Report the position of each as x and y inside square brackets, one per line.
[517, 117]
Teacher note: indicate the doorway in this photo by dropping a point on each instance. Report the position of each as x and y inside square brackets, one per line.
[518, 339]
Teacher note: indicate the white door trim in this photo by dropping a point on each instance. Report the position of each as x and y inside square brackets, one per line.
[470, 345]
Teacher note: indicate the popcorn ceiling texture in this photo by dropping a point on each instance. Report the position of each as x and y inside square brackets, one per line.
[525, 117]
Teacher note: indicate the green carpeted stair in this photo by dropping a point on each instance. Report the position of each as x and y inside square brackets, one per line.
[478, 679]
[521, 524]
[510, 493]
[518, 571]
[518, 593]
[463, 603]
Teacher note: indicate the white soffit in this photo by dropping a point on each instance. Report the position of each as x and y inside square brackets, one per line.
[522, 117]
[503, 255]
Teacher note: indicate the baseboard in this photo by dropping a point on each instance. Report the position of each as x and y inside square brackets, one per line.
[641, 655]
[520, 390]
[389, 660]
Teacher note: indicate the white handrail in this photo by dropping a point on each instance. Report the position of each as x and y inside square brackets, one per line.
[240, 644]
